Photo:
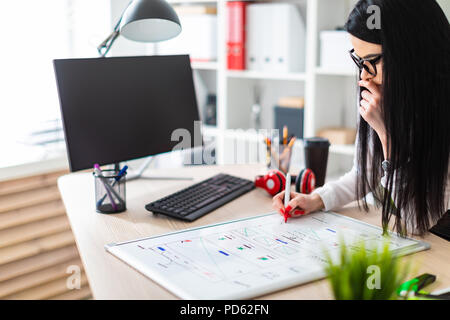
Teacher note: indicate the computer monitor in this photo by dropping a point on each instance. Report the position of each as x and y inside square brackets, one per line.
[125, 108]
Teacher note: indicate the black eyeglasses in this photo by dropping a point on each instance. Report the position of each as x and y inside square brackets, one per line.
[361, 62]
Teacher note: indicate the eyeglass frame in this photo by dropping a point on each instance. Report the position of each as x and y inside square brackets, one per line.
[360, 62]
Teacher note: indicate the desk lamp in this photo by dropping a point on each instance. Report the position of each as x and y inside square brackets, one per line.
[144, 21]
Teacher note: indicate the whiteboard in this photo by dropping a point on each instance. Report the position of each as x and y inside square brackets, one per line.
[250, 257]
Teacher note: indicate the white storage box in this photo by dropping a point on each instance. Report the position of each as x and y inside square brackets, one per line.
[198, 38]
[334, 48]
[275, 38]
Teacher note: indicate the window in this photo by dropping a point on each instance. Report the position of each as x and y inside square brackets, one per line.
[29, 107]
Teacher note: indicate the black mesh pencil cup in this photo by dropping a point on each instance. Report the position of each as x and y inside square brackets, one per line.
[110, 195]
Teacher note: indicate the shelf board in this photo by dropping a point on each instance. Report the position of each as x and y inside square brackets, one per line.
[346, 149]
[204, 65]
[248, 74]
[336, 72]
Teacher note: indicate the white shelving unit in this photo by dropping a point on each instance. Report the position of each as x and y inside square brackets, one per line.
[336, 72]
[330, 94]
[266, 75]
[204, 65]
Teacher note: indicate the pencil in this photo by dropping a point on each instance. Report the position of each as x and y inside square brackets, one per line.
[268, 150]
[286, 150]
[291, 143]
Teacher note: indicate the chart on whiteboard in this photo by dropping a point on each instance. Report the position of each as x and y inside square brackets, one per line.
[250, 257]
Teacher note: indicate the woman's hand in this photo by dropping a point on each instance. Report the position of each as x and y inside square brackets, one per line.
[370, 110]
[299, 205]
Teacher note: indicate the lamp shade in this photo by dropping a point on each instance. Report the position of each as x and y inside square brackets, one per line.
[150, 21]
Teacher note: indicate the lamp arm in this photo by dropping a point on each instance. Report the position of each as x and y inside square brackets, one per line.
[104, 47]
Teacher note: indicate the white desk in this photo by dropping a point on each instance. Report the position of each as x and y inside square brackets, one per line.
[110, 278]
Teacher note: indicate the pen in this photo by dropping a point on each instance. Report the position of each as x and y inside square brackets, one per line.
[98, 172]
[117, 179]
[120, 174]
[287, 196]
[285, 135]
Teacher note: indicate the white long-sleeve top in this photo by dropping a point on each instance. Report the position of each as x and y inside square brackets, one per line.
[337, 194]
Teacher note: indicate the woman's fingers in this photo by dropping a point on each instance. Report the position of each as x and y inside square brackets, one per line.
[299, 205]
[279, 195]
[371, 86]
[296, 203]
[373, 97]
[277, 202]
[365, 105]
[370, 107]
[367, 96]
[293, 195]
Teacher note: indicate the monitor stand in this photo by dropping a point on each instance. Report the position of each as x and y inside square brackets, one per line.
[138, 174]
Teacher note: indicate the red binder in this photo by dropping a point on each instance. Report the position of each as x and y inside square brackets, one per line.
[236, 35]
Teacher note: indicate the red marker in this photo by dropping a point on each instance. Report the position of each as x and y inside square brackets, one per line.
[299, 212]
[286, 213]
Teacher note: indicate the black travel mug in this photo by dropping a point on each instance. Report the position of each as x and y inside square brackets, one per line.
[316, 157]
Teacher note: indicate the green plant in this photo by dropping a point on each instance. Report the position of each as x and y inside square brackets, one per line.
[365, 273]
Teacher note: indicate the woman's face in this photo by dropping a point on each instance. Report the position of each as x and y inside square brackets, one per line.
[364, 50]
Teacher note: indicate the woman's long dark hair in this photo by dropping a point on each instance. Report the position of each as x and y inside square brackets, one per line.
[415, 36]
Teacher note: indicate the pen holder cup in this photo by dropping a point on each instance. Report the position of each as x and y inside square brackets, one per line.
[281, 159]
[110, 195]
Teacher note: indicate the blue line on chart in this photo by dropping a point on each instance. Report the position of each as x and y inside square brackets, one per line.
[331, 230]
[162, 249]
[223, 253]
[282, 241]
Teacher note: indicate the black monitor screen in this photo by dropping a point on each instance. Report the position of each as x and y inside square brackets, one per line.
[119, 109]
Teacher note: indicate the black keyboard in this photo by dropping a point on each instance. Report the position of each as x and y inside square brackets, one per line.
[199, 199]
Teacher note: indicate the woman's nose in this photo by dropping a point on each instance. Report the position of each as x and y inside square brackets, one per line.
[365, 75]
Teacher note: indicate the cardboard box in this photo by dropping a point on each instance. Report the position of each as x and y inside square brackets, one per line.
[291, 102]
[338, 135]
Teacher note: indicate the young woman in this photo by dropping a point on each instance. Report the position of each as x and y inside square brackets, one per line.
[403, 143]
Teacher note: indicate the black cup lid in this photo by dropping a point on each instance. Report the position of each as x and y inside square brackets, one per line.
[316, 142]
